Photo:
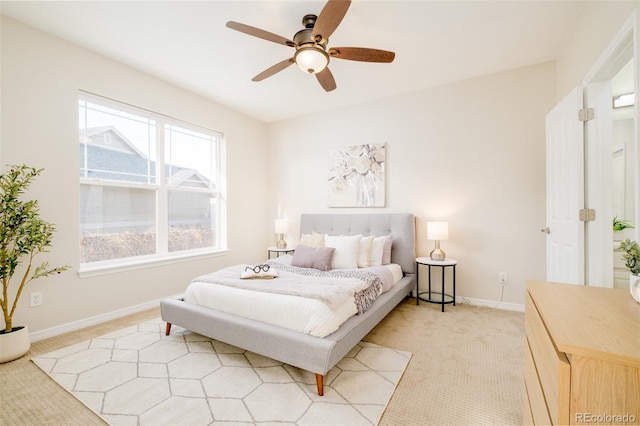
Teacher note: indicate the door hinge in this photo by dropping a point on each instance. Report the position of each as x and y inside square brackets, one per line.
[586, 114]
[587, 215]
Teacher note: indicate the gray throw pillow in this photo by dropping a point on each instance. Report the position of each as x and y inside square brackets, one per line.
[313, 257]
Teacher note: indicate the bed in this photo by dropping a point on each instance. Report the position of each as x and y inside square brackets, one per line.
[315, 354]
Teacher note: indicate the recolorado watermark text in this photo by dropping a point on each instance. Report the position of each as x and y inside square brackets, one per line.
[605, 418]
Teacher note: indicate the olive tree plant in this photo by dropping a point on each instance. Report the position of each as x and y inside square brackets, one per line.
[23, 235]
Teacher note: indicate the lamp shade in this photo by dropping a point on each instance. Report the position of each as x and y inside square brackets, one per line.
[438, 230]
[282, 226]
[311, 59]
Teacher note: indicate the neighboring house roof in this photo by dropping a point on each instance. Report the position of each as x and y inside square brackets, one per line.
[118, 141]
[186, 177]
[116, 158]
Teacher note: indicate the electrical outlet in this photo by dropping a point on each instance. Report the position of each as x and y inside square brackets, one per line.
[503, 278]
[35, 299]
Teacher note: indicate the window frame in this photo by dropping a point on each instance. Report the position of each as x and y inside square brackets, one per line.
[162, 255]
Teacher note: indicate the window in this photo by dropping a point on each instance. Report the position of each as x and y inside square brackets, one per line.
[149, 186]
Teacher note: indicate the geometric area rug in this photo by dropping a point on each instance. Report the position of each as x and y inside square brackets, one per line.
[139, 376]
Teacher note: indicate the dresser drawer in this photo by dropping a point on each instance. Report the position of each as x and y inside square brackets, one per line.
[535, 406]
[552, 367]
[527, 416]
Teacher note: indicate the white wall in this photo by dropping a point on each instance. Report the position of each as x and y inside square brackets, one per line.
[471, 153]
[41, 76]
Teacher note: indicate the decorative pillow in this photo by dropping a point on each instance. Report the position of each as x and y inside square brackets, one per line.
[347, 249]
[312, 240]
[386, 250]
[313, 257]
[364, 252]
[377, 256]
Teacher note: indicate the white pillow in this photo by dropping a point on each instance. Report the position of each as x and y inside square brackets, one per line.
[377, 247]
[312, 240]
[386, 250]
[377, 255]
[347, 249]
[365, 251]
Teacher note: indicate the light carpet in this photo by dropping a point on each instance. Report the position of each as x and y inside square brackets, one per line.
[139, 376]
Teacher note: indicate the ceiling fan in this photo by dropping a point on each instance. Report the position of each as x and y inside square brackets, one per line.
[312, 54]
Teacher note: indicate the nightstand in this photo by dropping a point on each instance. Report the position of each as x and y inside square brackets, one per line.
[436, 297]
[279, 251]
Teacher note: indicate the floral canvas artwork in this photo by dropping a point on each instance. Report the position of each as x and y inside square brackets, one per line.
[357, 176]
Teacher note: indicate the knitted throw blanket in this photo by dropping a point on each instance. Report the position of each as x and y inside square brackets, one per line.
[363, 298]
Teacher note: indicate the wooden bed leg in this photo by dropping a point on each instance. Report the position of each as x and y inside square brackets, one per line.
[320, 384]
[167, 329]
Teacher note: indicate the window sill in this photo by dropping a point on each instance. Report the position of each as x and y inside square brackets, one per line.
[86, 271]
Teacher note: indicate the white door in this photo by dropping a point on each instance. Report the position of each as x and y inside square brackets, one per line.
[565, 190]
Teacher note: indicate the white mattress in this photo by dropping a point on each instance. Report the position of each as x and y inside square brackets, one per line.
[297, 313]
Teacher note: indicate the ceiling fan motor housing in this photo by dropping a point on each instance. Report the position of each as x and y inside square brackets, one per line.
[305, 36]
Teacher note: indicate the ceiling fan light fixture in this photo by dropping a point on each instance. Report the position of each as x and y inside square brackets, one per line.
[311, 59]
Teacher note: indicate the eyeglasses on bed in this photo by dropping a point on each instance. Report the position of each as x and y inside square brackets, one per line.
[263, 267]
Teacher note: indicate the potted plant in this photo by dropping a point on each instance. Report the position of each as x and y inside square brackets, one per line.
[631, 258]
[23, 235]
[621, 224]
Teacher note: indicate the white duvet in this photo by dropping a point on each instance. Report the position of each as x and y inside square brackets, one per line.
[297, 313]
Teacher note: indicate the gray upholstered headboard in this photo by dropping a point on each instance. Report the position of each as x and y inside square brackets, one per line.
[401, 226]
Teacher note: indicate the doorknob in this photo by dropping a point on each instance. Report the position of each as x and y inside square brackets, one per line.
[545, 230]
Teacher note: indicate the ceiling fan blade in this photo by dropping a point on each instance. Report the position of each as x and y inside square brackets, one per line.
[257, 32]
[273, 70]
[362, 54]
[330, 17]
[326, 80]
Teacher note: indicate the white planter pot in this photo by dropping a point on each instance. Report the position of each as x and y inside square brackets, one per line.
[15, 344]
[634, 287]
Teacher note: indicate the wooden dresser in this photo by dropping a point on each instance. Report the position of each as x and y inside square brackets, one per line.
[582, 355]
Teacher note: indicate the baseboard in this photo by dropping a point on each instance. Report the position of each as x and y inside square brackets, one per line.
[491, 304]
[88, 322]
[487, 303]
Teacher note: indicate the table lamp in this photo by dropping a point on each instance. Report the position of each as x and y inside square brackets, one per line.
[437, 231]
[281, 228]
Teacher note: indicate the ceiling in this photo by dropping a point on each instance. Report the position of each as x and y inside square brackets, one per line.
[187, 43]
